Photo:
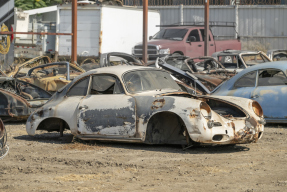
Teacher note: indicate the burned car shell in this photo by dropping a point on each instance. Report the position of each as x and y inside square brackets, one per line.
[277, 54]
[154, 117]
[265, 83]
[52, 76]
[233, 60]
[107, 59]
[3, 139]
[18, 98]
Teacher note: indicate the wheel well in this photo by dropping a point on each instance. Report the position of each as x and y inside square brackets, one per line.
[53, 124]
[166, 128]
[179, 52]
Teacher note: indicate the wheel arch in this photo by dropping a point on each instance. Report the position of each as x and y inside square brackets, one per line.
[157, 134]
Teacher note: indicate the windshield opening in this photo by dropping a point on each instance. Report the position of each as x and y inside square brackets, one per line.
[171, 34]
[141, 81]
[253, 59]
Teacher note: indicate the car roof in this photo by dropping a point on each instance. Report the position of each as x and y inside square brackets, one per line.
[118, 70]
[282, 65]
[233, 52]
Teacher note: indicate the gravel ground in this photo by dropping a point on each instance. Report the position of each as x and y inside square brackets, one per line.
[47, 162]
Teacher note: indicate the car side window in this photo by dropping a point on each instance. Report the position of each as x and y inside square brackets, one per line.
[247, 80]
[202, 35]
[195, 34]
[229, 61]
[271, 77]
[79, 88]
[105, 84]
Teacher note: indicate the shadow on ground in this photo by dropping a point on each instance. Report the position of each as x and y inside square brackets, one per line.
[67, 139]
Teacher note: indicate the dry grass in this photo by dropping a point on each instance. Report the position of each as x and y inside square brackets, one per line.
[254, 46]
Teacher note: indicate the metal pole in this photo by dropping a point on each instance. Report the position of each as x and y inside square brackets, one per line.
[206, 28]
[181, 14]
[236, 20]
[145, 18]
[74, 31]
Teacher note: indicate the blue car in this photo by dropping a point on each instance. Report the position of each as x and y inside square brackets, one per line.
[266, 83]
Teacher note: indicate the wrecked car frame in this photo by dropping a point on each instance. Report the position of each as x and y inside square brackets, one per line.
[18, 98]
[52, 76]
[143, 104]
[237, 60]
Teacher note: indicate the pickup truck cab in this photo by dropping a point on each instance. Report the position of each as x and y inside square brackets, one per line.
[183, 40]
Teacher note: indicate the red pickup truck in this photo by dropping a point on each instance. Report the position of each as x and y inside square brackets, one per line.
[183, 40]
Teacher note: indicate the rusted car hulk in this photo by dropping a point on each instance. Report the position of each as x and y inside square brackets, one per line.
[18, 98]
[52, 76]
[236, 60]
[142, 104]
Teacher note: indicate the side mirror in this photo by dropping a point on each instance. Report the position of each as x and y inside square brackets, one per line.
[150, 37]
[191, 39]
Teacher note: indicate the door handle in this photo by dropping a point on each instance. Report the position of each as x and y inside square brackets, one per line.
[255, 96]
[199, 45]
[211, 44]
[83, 107]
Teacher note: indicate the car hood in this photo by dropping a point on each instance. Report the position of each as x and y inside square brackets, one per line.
[162, 43]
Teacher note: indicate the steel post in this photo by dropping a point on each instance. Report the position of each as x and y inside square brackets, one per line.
[145, 20]
[74, 31]
[206, 28]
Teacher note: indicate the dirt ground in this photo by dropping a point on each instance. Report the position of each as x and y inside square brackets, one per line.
[47, 162]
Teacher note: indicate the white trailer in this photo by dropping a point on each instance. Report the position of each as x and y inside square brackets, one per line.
[103, 28]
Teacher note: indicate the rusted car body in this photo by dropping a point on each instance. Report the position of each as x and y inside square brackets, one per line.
[52, 76]
[118, 58]
[144, 104]
[22, 69]
[236, 60]
[18, 98]
[265, 83]
[207, 66]
[3, 141]
[277, 54]
[193, 83]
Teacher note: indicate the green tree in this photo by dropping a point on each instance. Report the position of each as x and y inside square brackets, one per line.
[34, 4]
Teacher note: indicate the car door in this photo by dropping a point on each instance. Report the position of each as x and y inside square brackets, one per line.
[244, 86]
[271, 92]
[106, 110]
[211, 41]
[194, 48]
[72, 100]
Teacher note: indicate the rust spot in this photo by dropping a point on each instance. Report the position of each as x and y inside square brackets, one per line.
[233, 126]
[40, 113]
[159, 103]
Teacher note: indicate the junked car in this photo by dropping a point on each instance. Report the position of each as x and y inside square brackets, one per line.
[208, 66]
[277, 54]
[265, 83]
[20, 70]
[18, 98]
[236, 60]
[52, 76]
[145, 105]
[3, 141]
